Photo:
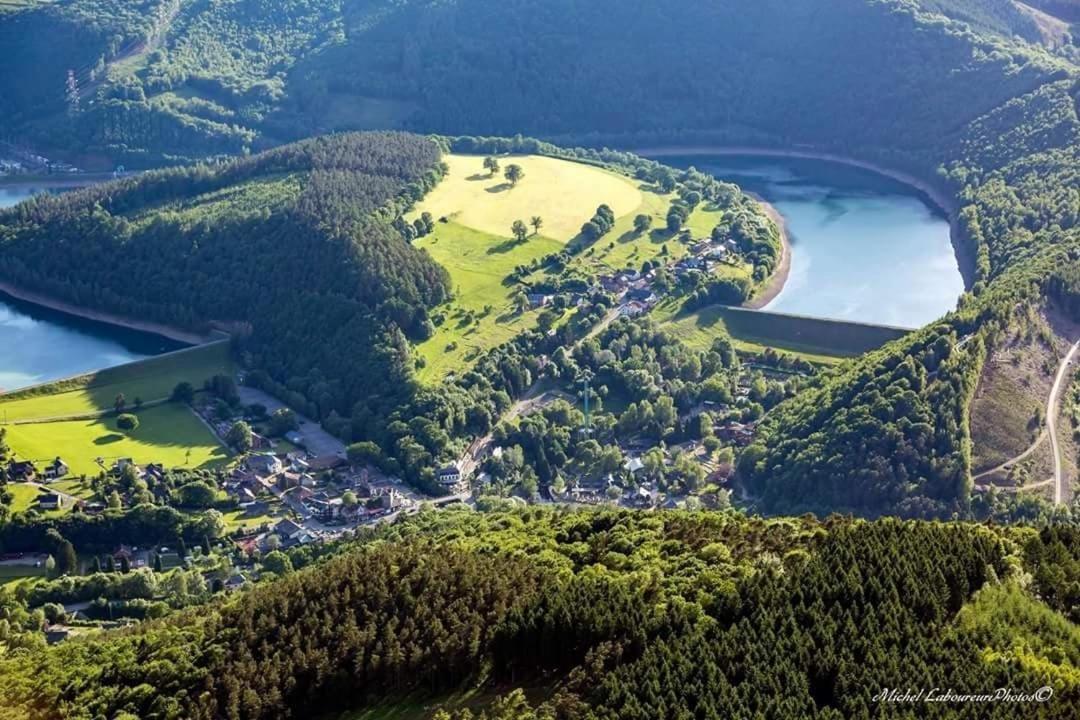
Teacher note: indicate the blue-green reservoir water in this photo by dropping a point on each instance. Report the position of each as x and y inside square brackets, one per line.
[865, 247]
[38, 344]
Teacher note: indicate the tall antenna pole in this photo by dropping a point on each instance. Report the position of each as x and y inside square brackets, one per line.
[585, 378]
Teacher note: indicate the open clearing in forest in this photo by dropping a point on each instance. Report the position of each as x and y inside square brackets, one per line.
[169, 434]
[564, 193]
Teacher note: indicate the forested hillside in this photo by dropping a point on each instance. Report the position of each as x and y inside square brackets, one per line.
[293, 250]
[615, 615]
[162, 79]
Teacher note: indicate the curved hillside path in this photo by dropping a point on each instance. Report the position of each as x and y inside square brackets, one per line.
[1051, 422]
[1015, 459]
[1049, 431]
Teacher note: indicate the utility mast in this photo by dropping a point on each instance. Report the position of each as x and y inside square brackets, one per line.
[71, 94]
[585, 378]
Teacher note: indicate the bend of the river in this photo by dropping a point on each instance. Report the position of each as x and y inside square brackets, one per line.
[38, 344]
[865, 247]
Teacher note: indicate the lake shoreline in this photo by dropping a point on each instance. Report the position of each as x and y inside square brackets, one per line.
[776, 282]
[166, 331]
[941, 200]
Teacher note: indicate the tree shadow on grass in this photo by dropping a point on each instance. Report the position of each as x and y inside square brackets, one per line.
[477, 177]
[505, 246]
[501, 187]
[108, 439]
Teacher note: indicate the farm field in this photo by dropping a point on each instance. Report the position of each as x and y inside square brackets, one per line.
[478, 263]
[817, 341]
[150, 379]
[168, 434]
[564, 193]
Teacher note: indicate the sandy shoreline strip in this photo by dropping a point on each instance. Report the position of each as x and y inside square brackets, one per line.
[942, 200]
[184, 336]
[780, 275]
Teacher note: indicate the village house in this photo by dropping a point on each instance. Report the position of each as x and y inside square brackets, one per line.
[56, 469]
[738, 433]
[537, 300]
[264, 464]
[287, 529]
[235, 582]
[449, 477]
[21, 471]
[643, 295]
[634, 465]
[388, 499]
[634, 308]
[50, 501]
[258, 442]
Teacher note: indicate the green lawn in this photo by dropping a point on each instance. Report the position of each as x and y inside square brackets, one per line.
[168, 434]
[24, 496]
[478, 264]
[149, 379]
[11, 575]
[698, 330]
[238, 519]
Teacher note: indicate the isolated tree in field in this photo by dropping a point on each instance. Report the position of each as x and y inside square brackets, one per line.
[491, 164]
[127, 422]
[520, 230]
[184, 392]
[513, 174]
[521, 301]
[537, 222]
[642, 223]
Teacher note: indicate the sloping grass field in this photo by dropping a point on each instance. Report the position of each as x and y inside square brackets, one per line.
[168, 434]
[478, 264]
[565, 194]
[74, 418]
[150, 379]
[477, 248]
[818, 341]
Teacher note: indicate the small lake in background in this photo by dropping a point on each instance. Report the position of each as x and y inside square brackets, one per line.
[38, 344]
[865, 247]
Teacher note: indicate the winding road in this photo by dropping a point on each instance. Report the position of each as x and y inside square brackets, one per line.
[1051, 422]
[1050, 431]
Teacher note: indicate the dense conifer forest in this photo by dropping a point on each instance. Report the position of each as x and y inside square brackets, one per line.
[294, 251]
[616, 614]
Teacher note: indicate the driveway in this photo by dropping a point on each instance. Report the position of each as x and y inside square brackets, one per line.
[316, 440]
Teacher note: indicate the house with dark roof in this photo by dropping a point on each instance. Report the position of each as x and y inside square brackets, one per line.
[56, 469]
[21, 470]
[50, 501]
[264, 464]
[449, 476]
[287, 529]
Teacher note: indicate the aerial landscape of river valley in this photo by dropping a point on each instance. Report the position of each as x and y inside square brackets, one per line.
[539, 359]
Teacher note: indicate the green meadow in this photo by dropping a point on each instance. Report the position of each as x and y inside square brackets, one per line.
[818, 341]
[149, 380]
[169, 434]
[478, 264]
